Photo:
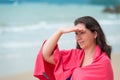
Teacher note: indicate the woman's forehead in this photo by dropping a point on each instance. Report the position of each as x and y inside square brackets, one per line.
[81, 25]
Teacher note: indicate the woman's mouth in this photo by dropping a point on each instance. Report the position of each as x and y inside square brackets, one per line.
[80, 42]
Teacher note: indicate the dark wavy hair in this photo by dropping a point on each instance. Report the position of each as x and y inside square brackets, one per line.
[93, 26]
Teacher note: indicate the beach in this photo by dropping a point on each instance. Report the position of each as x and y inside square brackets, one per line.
[25, 26]
[20, 76]
[29, 75]
[116, 66]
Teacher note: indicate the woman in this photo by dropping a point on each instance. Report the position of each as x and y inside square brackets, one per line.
[89, 61]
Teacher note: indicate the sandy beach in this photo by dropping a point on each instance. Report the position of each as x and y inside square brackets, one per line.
[29, 75]
[21, 76]
[116, 66]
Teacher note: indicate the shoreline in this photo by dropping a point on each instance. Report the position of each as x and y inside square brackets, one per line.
[29, 74]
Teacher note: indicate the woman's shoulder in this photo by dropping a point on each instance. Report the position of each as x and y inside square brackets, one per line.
[103, 59]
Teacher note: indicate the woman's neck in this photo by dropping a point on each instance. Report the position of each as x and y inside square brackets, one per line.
[89, 52]
[88, 58]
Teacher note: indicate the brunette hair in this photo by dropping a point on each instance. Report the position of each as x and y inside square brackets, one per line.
[93, 26]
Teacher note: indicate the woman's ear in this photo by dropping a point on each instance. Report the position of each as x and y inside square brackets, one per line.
[95, 34]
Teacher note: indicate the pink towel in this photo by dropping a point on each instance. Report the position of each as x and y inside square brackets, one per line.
[68, 62]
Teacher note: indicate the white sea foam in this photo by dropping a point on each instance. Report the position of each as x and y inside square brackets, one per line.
[16, 45]
[38, 26]
[45, 25]
[10, 56]
[110, 22]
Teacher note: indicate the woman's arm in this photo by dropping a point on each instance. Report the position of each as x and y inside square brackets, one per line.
[50, 44]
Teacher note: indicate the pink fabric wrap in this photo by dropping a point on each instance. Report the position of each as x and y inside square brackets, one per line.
[43, 70]
[68, 62]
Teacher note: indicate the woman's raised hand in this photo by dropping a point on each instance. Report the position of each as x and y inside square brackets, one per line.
[71, 29]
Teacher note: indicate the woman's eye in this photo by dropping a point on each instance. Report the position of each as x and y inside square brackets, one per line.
[82, 32]
[76, 33]
[79, 33]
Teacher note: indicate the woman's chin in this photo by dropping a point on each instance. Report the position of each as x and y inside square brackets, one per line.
[82, 46]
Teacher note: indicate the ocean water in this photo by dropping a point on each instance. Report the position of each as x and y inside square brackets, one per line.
[23, 28]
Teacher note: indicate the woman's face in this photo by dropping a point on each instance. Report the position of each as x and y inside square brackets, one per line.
[86, 38]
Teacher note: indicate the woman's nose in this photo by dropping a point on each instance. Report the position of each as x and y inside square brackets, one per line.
[78, 36]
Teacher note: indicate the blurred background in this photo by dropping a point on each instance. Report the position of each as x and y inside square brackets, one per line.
[25, 24]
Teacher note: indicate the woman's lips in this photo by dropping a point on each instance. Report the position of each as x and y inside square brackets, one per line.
[80, 42]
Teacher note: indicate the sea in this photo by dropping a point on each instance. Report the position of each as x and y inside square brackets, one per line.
[24, 27]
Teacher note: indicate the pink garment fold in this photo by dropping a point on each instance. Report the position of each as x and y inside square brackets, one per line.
[43, 70]
[68, 62]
